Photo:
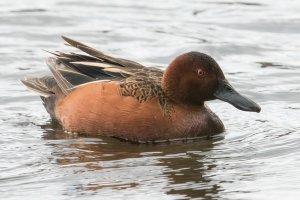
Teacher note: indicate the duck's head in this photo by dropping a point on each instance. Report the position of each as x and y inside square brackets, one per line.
[194, 78]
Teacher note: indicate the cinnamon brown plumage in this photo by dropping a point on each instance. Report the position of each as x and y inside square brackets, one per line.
[97, 94]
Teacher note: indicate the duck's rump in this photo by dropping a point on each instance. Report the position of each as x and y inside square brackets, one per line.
[48, 90]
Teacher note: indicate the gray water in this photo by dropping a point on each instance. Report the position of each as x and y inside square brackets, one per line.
[257, 44]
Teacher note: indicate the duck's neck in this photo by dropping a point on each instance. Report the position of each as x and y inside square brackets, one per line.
[177, 89]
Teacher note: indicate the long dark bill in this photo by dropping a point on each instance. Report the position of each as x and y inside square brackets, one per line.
[227, 93]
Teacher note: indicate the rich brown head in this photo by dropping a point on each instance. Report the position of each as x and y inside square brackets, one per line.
[194, 77]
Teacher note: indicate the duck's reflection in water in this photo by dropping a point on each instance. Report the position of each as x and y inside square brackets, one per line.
[100, 165]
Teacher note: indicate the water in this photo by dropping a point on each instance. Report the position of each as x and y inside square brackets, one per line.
[256, 43]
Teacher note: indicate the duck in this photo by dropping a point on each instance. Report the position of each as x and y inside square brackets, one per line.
[95, 94]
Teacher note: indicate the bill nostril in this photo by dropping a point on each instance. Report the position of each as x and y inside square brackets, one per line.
[229, 89]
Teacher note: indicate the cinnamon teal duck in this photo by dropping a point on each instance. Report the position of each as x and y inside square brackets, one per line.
[96, 94]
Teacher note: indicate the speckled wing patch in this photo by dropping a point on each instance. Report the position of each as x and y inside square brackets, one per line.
[144, 85]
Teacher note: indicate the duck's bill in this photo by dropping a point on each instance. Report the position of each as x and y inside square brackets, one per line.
[227, 93]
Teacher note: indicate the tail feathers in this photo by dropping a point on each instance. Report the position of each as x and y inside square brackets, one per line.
[44, 86]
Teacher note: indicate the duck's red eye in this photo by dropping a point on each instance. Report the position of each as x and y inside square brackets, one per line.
[200, 72]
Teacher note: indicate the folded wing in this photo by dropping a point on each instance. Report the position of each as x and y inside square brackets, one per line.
[74, 69]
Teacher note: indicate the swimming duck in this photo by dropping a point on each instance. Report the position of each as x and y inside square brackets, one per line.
[96, 94]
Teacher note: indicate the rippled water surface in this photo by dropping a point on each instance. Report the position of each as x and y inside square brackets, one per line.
[257, 43]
